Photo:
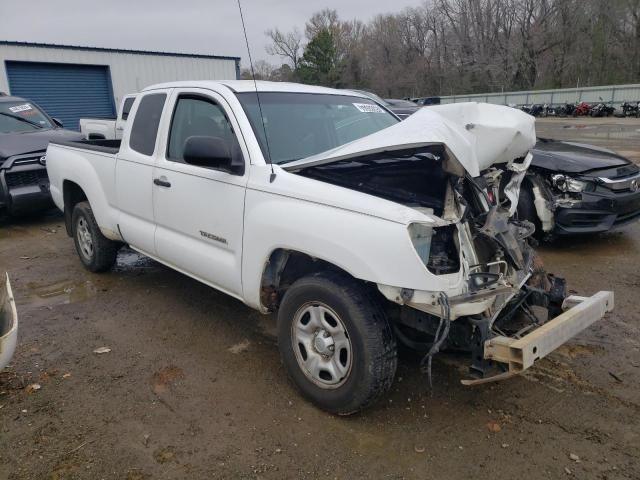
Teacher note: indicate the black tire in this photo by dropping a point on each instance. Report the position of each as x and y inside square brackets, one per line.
[102, 256]
[372, 343]
[527, 211]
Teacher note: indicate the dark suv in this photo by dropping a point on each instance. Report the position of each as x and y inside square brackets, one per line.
[25, 131]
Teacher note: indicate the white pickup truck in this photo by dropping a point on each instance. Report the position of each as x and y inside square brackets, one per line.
[359, 230]
[104, 128]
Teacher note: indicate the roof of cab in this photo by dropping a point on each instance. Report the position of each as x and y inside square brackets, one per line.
[242, 86]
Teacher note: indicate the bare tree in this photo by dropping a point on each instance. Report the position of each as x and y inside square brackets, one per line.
[286, 45]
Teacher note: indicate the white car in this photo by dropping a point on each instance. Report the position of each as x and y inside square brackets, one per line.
[105, 129]
[359, 230]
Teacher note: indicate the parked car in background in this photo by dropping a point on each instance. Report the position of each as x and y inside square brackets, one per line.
[359, 230]
[8, 322]
[401, 108]
[573, 188]
[426, 101]
[25, 131]
[107, 129]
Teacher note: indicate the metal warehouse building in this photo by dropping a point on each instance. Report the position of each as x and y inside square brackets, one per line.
[71, 82]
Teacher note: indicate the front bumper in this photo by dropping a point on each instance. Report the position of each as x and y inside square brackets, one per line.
[597, 212]
[24, 185]
[521, 353]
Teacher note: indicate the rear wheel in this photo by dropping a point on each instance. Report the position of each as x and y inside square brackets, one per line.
[336, 342]
[97, 253]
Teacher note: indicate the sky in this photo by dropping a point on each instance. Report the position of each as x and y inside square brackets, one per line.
[186, 26]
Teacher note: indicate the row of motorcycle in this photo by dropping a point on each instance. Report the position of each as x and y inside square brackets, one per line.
[578, 109]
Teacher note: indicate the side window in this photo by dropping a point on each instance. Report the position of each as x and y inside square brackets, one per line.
[126, 107]
[145, 124]
[196, 116]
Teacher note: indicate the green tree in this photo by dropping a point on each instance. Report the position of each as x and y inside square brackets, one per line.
[319, 65]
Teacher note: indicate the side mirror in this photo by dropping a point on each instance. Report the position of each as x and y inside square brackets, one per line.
[58, 122]
[212, 152]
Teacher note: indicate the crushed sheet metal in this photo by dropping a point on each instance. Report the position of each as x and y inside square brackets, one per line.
[545, 214]
[477, 135]
[512, 189]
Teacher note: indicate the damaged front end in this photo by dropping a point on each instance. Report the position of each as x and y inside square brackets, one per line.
[492, 295]
[511, 312]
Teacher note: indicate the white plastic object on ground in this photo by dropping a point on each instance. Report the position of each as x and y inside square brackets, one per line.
[8, 323]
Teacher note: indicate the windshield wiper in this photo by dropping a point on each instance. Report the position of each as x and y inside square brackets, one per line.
[16, 117]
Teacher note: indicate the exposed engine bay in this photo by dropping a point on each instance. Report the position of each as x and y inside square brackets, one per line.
[508, 293]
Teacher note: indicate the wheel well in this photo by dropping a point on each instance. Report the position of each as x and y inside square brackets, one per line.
[283, 268]
[72, 195]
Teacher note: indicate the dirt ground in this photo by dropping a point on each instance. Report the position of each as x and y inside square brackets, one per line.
[193, 387]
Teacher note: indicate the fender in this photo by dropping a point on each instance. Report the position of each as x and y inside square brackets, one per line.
[369, 248]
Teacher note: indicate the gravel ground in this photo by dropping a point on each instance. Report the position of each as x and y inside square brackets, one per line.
[193, 388]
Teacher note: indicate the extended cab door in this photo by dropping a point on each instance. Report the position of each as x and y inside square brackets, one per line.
[199, 210]
[134, 172]
[125, 109]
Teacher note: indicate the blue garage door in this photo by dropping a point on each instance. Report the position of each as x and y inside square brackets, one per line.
[65, 91]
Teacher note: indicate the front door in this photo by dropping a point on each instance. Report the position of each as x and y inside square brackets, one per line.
[199, 210]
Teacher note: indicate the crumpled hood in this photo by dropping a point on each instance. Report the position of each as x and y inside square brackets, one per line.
[20, 143]
[477, 135]
[569, 157]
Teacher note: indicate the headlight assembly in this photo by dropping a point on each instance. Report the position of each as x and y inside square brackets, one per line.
[565, 183]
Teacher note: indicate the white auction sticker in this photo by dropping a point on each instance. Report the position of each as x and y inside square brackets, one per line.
[368, 107]
[20, 108]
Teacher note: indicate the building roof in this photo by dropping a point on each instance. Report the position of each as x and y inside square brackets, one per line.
[115, 50]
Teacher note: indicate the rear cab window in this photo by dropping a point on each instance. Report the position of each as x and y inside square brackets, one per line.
[144, 130]
[126, 107]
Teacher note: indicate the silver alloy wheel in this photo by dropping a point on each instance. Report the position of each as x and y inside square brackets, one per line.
[85, 240]
[321, 345]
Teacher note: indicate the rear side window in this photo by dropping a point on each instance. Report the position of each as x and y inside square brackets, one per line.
[145, 124]
[126, 107]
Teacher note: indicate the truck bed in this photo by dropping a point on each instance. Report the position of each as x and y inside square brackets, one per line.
[104, 146]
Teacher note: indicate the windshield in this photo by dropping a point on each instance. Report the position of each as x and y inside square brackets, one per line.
[299, 125]
[16, 117]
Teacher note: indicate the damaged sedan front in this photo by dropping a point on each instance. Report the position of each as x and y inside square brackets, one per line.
[573, 188]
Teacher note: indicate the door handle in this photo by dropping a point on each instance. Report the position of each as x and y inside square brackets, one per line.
[161, 183]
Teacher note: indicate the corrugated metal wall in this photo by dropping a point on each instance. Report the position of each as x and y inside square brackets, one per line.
[130, 72]
[608, 93]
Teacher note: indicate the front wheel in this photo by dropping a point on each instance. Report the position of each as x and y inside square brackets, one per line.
[336, 342]
[97, 253]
